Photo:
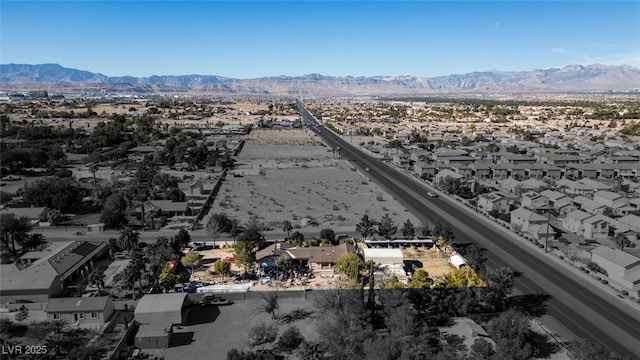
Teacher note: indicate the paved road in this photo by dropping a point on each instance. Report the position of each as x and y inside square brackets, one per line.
[584, 309]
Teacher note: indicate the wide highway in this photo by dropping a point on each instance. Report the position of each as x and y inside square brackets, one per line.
[583, 308]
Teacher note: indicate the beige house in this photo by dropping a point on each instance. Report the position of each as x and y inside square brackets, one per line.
[80, 310]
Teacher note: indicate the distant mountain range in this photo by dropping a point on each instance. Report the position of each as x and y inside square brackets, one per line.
[573, 78]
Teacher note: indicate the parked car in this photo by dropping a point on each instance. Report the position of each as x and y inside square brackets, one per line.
[213, 299]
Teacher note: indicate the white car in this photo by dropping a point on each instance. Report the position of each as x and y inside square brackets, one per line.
[432, 194]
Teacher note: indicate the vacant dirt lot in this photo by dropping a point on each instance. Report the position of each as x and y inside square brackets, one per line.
[289, 175]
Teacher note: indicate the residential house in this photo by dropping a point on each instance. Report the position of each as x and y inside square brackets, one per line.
[494, 202]
[441, 155]
[462, 169]
[560, 202]
[533, 184]
[500, 171]
[610, 199]
[424, 169]
[560, 159]
[588, 171]
[632, 221]
[570, 171]
[443, 174]
[606, 171]
[170, 208]
[523, 219]
[596, 227]
[319, 258]
[402, 160]
[457, 160]
[589, 205]
[623, 269]
[518, 159]
[536, 171]
[518, 172]
[534, 201]
[553, 172]
[628, 171]
[40, 275]
[573, 221]
[420, 155]
[481, 169]
[80, 310]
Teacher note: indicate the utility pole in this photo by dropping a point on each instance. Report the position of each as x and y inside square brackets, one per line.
[546, 236]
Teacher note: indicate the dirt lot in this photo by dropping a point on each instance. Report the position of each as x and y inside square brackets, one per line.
[289, 175]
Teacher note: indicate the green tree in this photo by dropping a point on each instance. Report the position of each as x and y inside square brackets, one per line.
[192, 259]
[387, 227]
[420, 279]
[408, 230]
[222, 267]
[329, 235]
[113, 214]
[245, 253]
[33, 241]
[460, 278]
[366, 226]
[53, 192]
[13, 230]
[481, 349]
[130, 275]
[513, 335]
[349, 265]
[621, 241]
[297, 238]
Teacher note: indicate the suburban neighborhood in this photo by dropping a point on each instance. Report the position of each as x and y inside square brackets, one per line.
[145, 225]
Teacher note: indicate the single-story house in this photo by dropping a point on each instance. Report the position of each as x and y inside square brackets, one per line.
[80, 310]
[40, 275]
[320, 257]
[171, 208]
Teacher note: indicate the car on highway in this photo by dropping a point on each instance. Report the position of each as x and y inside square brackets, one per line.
[432, 194]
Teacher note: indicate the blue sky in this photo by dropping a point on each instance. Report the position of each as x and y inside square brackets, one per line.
[245, 39]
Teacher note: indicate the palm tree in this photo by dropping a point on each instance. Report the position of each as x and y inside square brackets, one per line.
[93, 168]
[621, 241]
[130, 274]
[286, 226]
[129, 238]
[97, 278]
